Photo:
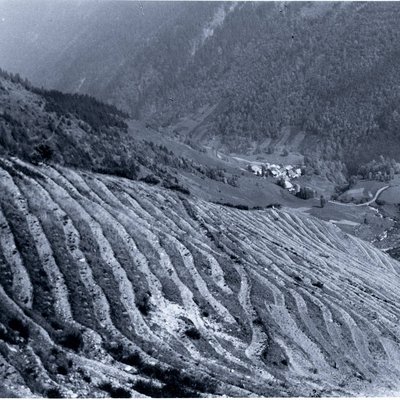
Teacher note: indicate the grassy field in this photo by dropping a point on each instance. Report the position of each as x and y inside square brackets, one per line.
[392, 195]
[362, 191]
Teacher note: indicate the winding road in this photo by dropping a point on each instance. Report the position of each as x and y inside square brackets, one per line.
[377, 194]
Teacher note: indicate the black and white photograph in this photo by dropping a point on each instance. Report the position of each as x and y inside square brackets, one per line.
[199, 199]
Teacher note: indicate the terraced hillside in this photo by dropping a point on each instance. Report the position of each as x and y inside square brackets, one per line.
[111, 287]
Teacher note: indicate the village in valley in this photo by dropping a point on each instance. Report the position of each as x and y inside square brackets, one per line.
[284, 176]
[370, 178]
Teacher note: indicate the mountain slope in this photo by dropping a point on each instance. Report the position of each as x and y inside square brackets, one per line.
[107, 283]
[53, 43]
[327, 71]
[78, 131]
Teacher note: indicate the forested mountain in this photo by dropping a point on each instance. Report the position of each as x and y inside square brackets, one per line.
[326, 69]
[41, 126]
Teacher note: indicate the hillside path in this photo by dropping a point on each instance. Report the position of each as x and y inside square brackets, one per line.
[377, 194]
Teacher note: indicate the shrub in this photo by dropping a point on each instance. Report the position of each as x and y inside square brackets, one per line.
[53, 393]
[143, 304]
[19, 326]
[4, 334]
[193, 333]
[176, 384]
[176, 187]
[115, 392]
[154, 371]
[148, 389]
[169, 389]
[233, 181]
[7, 335]
[151, 179]
[238, 206]
[71, 338]
[120, 393]
[133, 359]
[274, 205]
[118, 352]
[62, 370]
[318, 284]
[305, 193]
[173, 382]
[44, 151]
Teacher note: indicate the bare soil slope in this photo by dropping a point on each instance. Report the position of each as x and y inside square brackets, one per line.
[111, 287]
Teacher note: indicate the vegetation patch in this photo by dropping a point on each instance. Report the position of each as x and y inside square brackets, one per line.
[71, 338]
[42, 299]
[174, 383]
[238, 206]
[151, 179]
[193, 333]
[54, 393]
[115, 392]
[84, 107]
[176, 187]
[143, 303]
[17, 325]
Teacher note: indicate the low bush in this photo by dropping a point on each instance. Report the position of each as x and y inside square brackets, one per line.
[118, 352]
[62, 370]
[305, 193]
[143, 304]
[7, 335]
[44, 152]
[318, 284]
[170, 389]
[274, 205]
[151, 179]
[19, 326]
[115, 392]
[238, 206]
[176, 187]
[133, 359]
[175, 383]
[71, 338]
[193, 333]
[148, 389]
[54, 393]
[120, 393]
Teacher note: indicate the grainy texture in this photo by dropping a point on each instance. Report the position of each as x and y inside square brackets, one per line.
[260, 302]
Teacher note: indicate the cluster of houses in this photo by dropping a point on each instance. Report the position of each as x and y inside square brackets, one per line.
[283, 174]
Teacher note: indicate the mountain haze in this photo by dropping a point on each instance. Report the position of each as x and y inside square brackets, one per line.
[320, 69]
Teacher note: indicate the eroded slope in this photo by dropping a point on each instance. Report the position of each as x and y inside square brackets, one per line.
[108, 283]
